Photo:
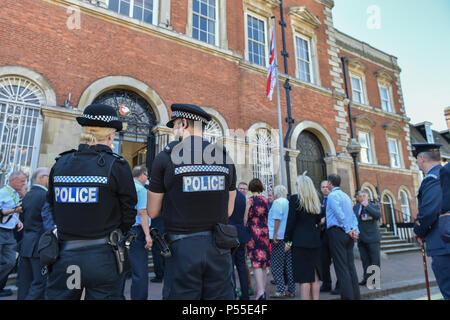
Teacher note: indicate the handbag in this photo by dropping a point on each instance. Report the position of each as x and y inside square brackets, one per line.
[444, 226]
[225, 236]
[48, 248]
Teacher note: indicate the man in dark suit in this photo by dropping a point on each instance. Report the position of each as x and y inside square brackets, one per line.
[426, 226]
[32, 283]
[237, 219]
[368, 215]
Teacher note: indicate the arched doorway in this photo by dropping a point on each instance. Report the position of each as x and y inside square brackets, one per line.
[311, 158]
[137, 142]
[20, 125]
[388, 212]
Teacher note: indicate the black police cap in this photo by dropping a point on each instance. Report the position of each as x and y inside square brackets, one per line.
[100, 115]
[424, 147]
[188, 111]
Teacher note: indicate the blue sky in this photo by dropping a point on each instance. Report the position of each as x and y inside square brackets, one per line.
[418, 34]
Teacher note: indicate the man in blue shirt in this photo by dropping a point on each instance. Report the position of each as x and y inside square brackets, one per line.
[10, 207]
[139, 248]
[342, 229]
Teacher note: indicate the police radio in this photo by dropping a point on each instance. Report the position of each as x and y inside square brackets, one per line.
[156, 236]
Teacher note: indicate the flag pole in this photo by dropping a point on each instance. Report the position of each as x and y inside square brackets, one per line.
[280, 126]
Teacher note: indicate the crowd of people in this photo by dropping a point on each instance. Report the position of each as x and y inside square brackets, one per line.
[288, 235]
[91, 200]
[299, 237]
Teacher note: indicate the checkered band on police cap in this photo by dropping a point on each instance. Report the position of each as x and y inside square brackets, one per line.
[100, 117]
[187, 115]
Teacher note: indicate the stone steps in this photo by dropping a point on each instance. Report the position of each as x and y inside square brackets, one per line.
[392, 244]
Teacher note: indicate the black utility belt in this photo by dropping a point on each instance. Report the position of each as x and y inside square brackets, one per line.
[172, 237]
[76, 244]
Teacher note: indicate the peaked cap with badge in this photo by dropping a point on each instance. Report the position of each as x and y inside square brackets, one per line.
[188, 111]
[100, 115]
[424, 147]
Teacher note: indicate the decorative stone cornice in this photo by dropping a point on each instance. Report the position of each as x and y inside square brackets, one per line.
[356, 63]
[392, 126]
[60, 112]
[304, 15]
[384, 75]
[327, 3]
[364, 120]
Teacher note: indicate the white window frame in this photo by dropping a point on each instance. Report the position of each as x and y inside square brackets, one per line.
[388, 94]
[405, 207]
[155, 11]
[391, 153]
[216, 23]
[266, 45]
[369, 147]
[298, 59]
[361, 93]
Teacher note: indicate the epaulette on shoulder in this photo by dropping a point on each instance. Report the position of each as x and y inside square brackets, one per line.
[64, 153]
[170, 146]
[116, 155]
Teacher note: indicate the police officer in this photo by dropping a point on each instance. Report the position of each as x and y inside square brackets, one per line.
[194, 184]
[426, 223]
[91, 194]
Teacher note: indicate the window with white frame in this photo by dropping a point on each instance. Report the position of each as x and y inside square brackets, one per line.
[394, 154]
[143, 10]
[405, 206]
[385, 100]
[304, 62]
[204, 21]
[357, 91]
[256, 40]
[366, 148]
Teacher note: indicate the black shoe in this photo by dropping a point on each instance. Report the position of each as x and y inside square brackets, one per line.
[156, 280]
[335, 292]
[6, 293]
[363, 282]
[325, 288]
[262, 297]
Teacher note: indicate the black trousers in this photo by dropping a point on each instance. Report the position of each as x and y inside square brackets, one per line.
[370, 255]
[325, 258]
[158, 259]
[98, 274]
[239, 262]
[341, 247]
[31, 282]
[198, 270]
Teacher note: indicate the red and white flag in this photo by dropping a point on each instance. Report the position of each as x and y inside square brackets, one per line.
[273, 71]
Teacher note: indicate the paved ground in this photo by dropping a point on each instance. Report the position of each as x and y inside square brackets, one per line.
[402, 277]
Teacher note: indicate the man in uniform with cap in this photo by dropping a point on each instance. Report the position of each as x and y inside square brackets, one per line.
[193, 182]
[92, 197]
[426, 224]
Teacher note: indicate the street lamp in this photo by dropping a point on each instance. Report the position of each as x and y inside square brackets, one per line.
[354, 148]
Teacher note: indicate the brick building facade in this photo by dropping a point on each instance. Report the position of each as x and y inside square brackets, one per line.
[58, 56]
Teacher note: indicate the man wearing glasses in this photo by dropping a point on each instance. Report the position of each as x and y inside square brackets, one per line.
[243, 188]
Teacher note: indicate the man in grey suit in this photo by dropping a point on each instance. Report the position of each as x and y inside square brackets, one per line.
[368, 215]
[31, 282]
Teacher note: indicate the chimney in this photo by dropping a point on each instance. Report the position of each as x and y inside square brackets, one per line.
[447, 117]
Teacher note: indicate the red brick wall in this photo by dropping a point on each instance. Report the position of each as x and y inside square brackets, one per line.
[34, 34]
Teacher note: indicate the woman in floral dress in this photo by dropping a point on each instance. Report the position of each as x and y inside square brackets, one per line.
[256, 213]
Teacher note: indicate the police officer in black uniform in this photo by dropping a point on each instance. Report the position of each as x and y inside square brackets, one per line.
[426, 225]
[193, 183]
[92, 197]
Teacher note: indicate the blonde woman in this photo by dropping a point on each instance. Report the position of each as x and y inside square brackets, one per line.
[303, 231]
[91, 193]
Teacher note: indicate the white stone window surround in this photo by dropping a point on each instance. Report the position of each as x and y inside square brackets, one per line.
[365, 140]
[394, 153]
[136, 3]
[247, 39]
[298, 59]
[385, 96]
[201, 16]
[356, 84]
